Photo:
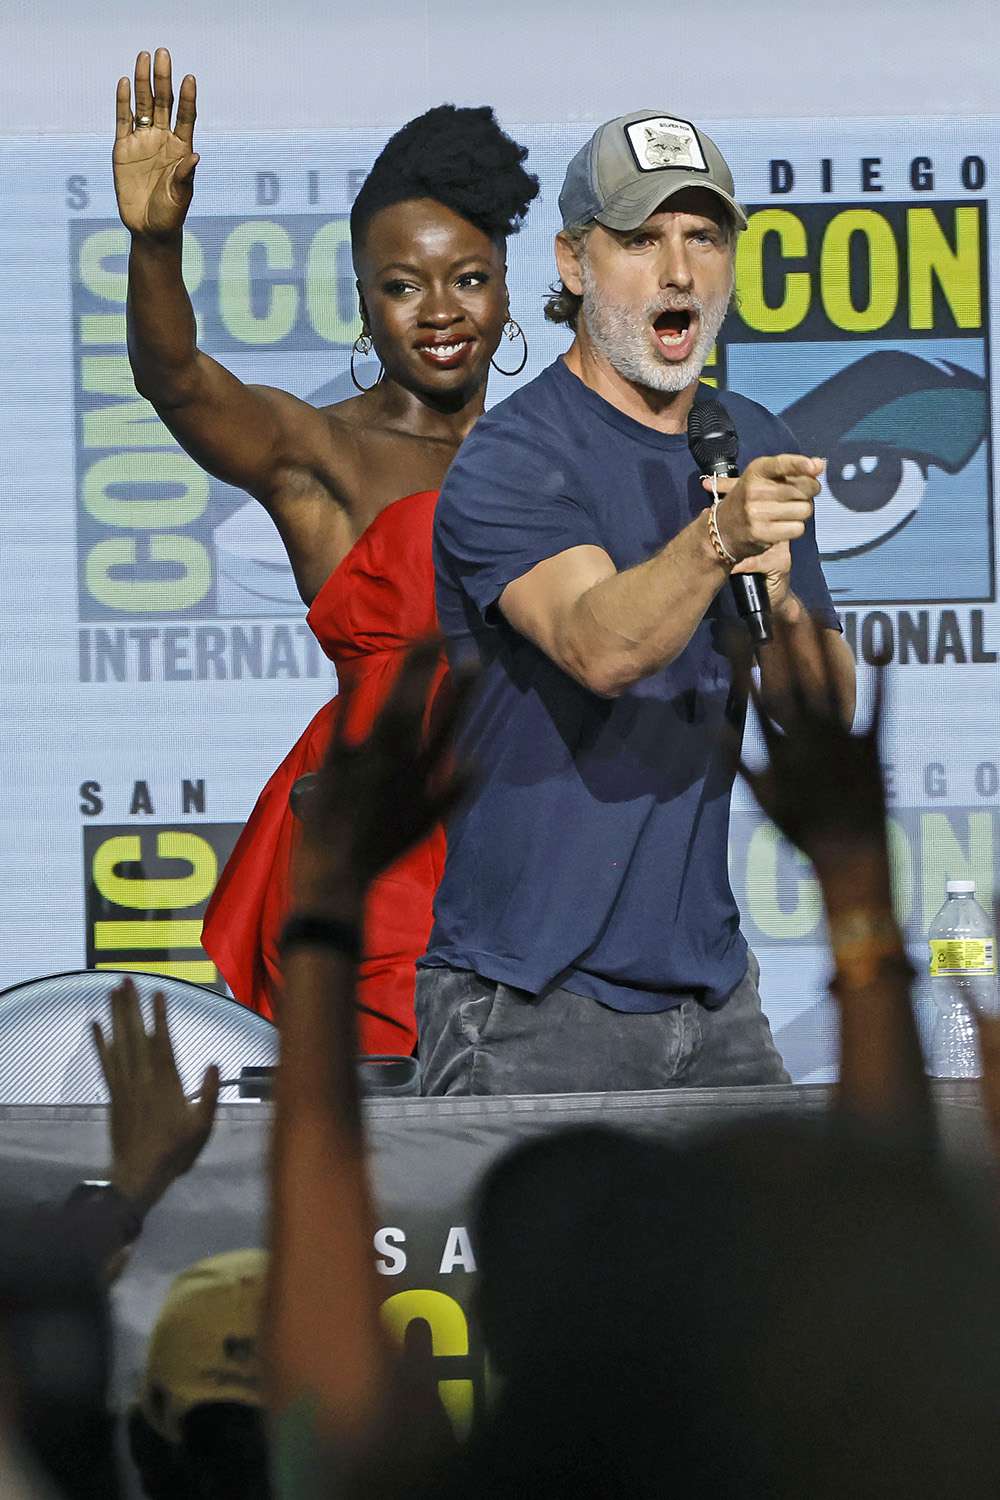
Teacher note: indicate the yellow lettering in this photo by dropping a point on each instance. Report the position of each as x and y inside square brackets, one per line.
[177, 933]
[136, 470]
[156, 894]
[762, 889]
[112, 286]
[449, 1336]
[132, 423]
[328, 246]
[883, 271]
[149, 595]
[901, 865]
[195, 970]
[752, 246]
[101, 246]
[109, 328]
[103, 328]
[956, 268]
[235, 305]
[944, 856]
[192, 262]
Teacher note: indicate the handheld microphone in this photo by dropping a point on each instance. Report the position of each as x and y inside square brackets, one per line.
[714, 447]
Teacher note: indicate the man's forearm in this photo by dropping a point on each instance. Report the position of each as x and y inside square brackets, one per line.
[162, 332]
[812, 672]
[630, 625]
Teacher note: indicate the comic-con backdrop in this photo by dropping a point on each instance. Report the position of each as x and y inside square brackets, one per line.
[159, 664]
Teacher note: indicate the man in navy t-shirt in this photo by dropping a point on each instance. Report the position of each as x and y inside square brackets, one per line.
[585, 933]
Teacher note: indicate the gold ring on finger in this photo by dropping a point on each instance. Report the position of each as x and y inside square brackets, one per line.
[143, 120]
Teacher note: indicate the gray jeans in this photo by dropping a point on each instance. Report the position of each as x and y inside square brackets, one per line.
[480, 1037]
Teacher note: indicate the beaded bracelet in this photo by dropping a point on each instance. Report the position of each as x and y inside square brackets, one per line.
[722, 551]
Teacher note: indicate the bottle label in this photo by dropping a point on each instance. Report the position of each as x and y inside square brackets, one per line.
[962, 956]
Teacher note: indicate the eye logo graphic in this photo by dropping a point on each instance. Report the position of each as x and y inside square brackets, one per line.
[896, 428]
[883, 422]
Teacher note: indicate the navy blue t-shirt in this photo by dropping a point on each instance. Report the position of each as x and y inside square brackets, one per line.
[593, 853]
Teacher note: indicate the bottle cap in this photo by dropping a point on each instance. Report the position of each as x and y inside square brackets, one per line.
[960, 887]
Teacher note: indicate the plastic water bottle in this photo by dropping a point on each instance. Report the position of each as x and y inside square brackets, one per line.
[963, 971]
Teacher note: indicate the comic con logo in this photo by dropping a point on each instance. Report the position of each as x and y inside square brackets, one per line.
[865, 329]
[147, 887]
[158, 538]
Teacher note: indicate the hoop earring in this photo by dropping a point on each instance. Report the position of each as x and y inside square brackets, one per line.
[363, 345]
[513, 330]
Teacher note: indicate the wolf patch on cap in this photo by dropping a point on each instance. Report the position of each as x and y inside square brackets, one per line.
[632, 164]
[665, 142]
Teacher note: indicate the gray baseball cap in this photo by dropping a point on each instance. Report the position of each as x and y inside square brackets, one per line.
[630, 165]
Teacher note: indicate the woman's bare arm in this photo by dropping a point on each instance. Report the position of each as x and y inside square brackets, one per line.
[262, 440]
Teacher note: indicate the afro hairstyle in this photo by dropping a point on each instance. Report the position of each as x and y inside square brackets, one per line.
[458, 157]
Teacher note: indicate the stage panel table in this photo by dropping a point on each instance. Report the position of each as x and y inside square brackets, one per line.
[428, 1156]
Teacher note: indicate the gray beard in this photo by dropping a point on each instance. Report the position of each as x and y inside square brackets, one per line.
[623, 336]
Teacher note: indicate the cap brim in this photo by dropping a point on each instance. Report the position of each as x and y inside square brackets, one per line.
[633, 206]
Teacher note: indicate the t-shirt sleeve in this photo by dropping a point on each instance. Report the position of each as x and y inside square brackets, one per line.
[505, 506]
[807, 579]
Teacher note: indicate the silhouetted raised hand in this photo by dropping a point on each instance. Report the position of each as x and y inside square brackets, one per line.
[823, 784]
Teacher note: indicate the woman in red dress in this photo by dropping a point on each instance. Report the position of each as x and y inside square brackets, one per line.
[350, 487]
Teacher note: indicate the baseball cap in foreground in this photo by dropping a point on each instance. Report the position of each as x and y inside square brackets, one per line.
[630, 165]
[204, 1347]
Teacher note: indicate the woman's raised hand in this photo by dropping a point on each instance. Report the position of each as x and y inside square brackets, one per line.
[154, 164]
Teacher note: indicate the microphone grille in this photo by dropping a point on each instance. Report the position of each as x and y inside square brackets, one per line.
[711, 435]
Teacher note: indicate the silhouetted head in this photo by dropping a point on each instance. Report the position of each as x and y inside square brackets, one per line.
[55, 1355]
[778, 1310]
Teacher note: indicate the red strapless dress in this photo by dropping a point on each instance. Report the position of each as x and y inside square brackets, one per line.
[375, 604]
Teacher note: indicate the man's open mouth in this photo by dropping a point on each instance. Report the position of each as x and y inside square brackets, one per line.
[673, 326]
